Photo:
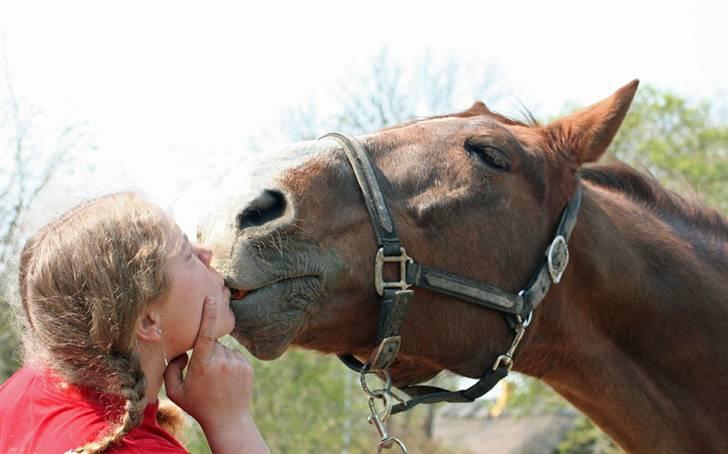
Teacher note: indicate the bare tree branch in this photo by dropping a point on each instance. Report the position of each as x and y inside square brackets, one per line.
[390, 92]
[30, 166]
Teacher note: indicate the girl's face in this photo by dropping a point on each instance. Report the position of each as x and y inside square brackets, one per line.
[191, 281]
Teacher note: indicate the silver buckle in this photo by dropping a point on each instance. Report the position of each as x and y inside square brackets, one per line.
[558, 257]
[384, 354]
[379, 283]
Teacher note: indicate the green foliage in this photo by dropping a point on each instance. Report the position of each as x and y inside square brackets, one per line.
[585, 438]
[533, 396]
[9, 343]
[678, 142]
[302, 402]
[308, 403]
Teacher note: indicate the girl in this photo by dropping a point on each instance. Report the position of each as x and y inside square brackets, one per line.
[109, 292]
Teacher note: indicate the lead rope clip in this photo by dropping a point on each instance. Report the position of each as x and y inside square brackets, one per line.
[379, 418]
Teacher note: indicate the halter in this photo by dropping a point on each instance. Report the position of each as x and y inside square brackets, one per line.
[397, 295]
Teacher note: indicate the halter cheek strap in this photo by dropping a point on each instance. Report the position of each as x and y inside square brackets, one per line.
[397, 295]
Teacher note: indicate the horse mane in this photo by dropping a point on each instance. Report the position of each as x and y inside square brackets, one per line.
[646, 190]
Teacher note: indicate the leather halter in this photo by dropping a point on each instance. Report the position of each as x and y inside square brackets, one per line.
[396, 295]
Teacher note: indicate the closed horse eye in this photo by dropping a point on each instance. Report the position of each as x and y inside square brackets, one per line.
[489, 155]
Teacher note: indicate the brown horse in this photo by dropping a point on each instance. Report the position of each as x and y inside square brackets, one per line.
[635, 334]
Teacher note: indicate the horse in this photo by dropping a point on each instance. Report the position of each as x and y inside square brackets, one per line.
[634, 332]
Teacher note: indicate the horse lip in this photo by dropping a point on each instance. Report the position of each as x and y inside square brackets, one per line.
[234, 288]
[237, 294]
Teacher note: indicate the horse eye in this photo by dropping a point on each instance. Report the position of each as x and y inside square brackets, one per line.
[488, 155]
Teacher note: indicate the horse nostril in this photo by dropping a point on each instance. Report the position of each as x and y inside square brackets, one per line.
[266, 207]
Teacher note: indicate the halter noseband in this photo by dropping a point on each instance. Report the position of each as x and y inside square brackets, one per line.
[397, 295]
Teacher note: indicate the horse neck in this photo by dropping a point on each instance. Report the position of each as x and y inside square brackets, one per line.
[636, 336]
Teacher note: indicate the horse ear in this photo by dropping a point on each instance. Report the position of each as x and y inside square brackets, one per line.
[586, 133]
[478, 108]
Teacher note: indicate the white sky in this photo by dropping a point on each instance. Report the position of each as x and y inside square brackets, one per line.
[166, 86]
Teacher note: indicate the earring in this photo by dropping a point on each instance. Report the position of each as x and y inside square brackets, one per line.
[164, 354]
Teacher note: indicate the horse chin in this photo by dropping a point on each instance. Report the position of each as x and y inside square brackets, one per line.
[267, 349]
[269, 318]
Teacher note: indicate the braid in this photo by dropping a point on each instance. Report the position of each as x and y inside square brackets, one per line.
[133, 388]
[85, 279]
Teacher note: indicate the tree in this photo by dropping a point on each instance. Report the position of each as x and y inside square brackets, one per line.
[677, 141]
[28, 161]
[390, 91]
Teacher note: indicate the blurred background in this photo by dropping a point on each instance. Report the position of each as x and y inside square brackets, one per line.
[162, 97]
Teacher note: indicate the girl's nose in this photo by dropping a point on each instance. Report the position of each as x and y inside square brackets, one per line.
[204, 254]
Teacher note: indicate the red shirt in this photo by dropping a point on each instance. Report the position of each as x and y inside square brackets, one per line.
[40, 414]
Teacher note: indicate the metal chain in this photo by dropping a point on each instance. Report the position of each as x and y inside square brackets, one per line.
[378, 418]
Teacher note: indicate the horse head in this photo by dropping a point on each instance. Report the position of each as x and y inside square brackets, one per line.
[473, 193]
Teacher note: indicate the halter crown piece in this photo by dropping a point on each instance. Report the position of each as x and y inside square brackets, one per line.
[397, 295]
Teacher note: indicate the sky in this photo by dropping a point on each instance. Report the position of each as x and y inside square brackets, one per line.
[168, 92]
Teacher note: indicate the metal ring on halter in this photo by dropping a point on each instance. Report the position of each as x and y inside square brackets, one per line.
[386, 444]
[386, 411]
[376, 392]
[529, 317]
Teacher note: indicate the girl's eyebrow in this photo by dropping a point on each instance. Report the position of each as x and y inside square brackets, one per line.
[187, 245]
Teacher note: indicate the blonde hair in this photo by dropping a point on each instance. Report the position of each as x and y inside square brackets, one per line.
[85, 279]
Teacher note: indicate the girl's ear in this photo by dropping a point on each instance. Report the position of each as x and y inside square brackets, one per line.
[148, 327]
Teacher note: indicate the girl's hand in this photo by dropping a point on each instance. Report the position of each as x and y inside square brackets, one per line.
[216, 390]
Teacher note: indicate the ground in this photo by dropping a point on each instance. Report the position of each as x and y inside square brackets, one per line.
[470, 428]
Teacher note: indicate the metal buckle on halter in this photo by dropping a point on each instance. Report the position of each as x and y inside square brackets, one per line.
[379, 283]
[385, 353]
[558, 257]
